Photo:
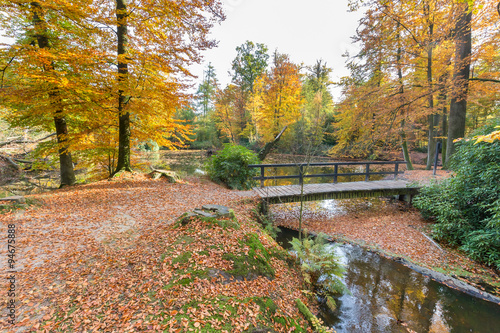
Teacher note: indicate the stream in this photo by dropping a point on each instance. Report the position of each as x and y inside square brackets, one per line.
[389, 297]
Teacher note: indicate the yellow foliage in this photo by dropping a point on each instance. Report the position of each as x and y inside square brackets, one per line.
[490, 137]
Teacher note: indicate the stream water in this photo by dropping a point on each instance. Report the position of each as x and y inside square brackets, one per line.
[389, 297]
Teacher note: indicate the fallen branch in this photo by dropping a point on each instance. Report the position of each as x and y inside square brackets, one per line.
[11, 162]
[5, 143]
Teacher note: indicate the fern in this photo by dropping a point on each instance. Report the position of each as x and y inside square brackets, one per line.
[320, 265]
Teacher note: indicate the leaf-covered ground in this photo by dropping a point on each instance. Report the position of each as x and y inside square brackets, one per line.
[109, 257]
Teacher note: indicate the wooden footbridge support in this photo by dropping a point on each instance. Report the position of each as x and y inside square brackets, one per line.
[313, 192]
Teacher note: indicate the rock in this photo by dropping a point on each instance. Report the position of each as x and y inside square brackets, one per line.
[203, 213]
[185, 218]
[171, 176]
[220, 211]
[17, 199]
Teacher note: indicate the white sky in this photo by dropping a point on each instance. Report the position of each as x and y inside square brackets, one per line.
[305, 30]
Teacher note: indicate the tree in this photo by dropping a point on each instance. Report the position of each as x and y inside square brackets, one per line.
[250, 62]
[277, 97]
[133, 81]
[168, 37]
[463, 49]
[227, 104]
[207, 89]
[42, 74]
[318, 105]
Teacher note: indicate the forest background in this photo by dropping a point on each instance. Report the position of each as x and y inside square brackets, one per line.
[109, 78]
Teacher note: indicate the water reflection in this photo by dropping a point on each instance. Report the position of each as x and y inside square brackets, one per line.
[312, 170]
[389, 297]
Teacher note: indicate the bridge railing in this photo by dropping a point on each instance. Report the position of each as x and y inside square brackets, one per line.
[301, 166]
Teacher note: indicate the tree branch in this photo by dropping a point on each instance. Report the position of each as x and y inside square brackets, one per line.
[485, 80]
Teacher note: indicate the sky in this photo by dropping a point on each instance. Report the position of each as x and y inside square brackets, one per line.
[305, 30]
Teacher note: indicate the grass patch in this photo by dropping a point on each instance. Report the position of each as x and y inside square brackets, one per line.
[182, 258]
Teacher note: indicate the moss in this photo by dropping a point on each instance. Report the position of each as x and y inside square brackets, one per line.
[204, 253]
[255, 262]
[182, 258]
[184, 239]
[224, 223]
[312, 319]
[266, 304]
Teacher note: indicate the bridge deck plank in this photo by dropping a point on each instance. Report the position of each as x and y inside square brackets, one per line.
[325, 188]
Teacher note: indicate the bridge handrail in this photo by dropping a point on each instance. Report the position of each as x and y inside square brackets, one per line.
[335, 175]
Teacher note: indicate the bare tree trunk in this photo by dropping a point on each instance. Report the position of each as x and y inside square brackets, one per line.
[458, 106]
[65, 161]
[123, 163]
[432, 119]
[270, 145]
[404, 143]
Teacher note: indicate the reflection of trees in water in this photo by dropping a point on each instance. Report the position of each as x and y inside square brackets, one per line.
[312, 170]
[384, 290]
[386, 296]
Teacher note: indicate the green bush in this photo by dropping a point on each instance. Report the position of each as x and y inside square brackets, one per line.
[230, 167]
[467, 206]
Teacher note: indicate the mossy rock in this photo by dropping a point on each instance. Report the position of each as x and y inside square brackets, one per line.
[171, 176]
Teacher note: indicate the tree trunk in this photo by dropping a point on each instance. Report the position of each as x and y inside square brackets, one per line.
[404, 143]
[444, 146]
[267, 148]
[433, 119]
[406, 151]
[123, 163]
[65, 161]
[458, 105]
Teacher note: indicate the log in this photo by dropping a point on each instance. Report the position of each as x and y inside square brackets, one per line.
[11, 162]
[16, 140]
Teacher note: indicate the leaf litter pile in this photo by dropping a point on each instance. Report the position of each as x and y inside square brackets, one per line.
[111, 257]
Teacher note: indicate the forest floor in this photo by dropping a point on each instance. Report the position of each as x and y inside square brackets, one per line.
[394, 229]
[108, 256]
[76, 245]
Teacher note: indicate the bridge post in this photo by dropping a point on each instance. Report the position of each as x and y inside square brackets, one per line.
[261, 176]
[264, 207]
[396, 171]
[367, 175]
[335, 173]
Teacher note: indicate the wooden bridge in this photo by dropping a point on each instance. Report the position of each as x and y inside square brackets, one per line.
[332, 190]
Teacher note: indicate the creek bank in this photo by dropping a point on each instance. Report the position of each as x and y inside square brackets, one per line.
[449, 281]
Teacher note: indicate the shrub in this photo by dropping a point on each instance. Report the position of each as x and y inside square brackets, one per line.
[230, 167]
[467, 206]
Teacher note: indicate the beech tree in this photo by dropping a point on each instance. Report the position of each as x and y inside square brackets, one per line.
[103, 65]
[42, 71]
[277, 97]
[152, 63]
